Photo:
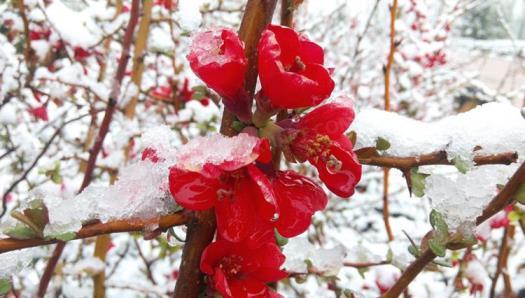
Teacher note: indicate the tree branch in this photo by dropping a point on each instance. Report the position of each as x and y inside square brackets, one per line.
[96, 229]
[435, 158]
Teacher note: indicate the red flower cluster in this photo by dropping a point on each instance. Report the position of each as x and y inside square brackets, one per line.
[252, 199]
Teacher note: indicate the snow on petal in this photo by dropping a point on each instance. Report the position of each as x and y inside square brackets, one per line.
[229, 153]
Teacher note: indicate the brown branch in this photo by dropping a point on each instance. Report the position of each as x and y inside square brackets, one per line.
[501, 267]
[138, 57]
[104, 128]
[386, 208]
[505, 196]
[201, 228]
[410, 273]
[96, 229]
[99, 280]
[388, 71]
[359, 265]
[435, 158]
[29, 53]
[498, 203]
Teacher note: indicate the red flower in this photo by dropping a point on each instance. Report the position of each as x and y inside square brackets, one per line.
[186, 93]
[229, 181]
[161, 92]
[291, 69]
[39, 34]
[151, 155]
[319, 138]
[298, 199]
[80, 53]
[237, 270]
[167, 4]
[40, 113]
[217, 57]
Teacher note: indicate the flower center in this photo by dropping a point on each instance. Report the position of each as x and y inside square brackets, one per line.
[319, 147]
[231, 265]
[297, 65]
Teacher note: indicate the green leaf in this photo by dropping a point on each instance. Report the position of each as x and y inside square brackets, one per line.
[200, 89]
[198, 95]
[382, 144]
[438, 222]
[362, 271]
[418, 182]
[281, 241]
[20, 232]
[438, 243]
[442, 263]
[5, 286]
[37, 213]
[460, 164]
[437, 248]
[66, 236]
[514, 216]
[520, 194]
[413, 250]
[238, 126]
[389, 255]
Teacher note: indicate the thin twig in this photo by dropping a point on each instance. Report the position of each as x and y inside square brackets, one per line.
[388, 71]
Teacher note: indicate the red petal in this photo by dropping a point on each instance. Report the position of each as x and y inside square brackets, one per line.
[212, 254]
[218, 58]
[192, 190]
[262, 192]
[40, 113]
[311, 52]
[248, 288]
[287, 41]
[220, 283]
[331, 119]
[235, 217]
[299, 198]
[264, 151]
[342, 181]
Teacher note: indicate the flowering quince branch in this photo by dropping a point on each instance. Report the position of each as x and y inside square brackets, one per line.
[498, 203]
[250, 199]
[96, 229]
[201, 229]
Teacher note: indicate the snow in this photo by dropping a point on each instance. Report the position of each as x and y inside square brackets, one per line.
[462, 197]
[141, 191]
[488, 129]
[91, 266]
[299, 250]
[15, 261]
